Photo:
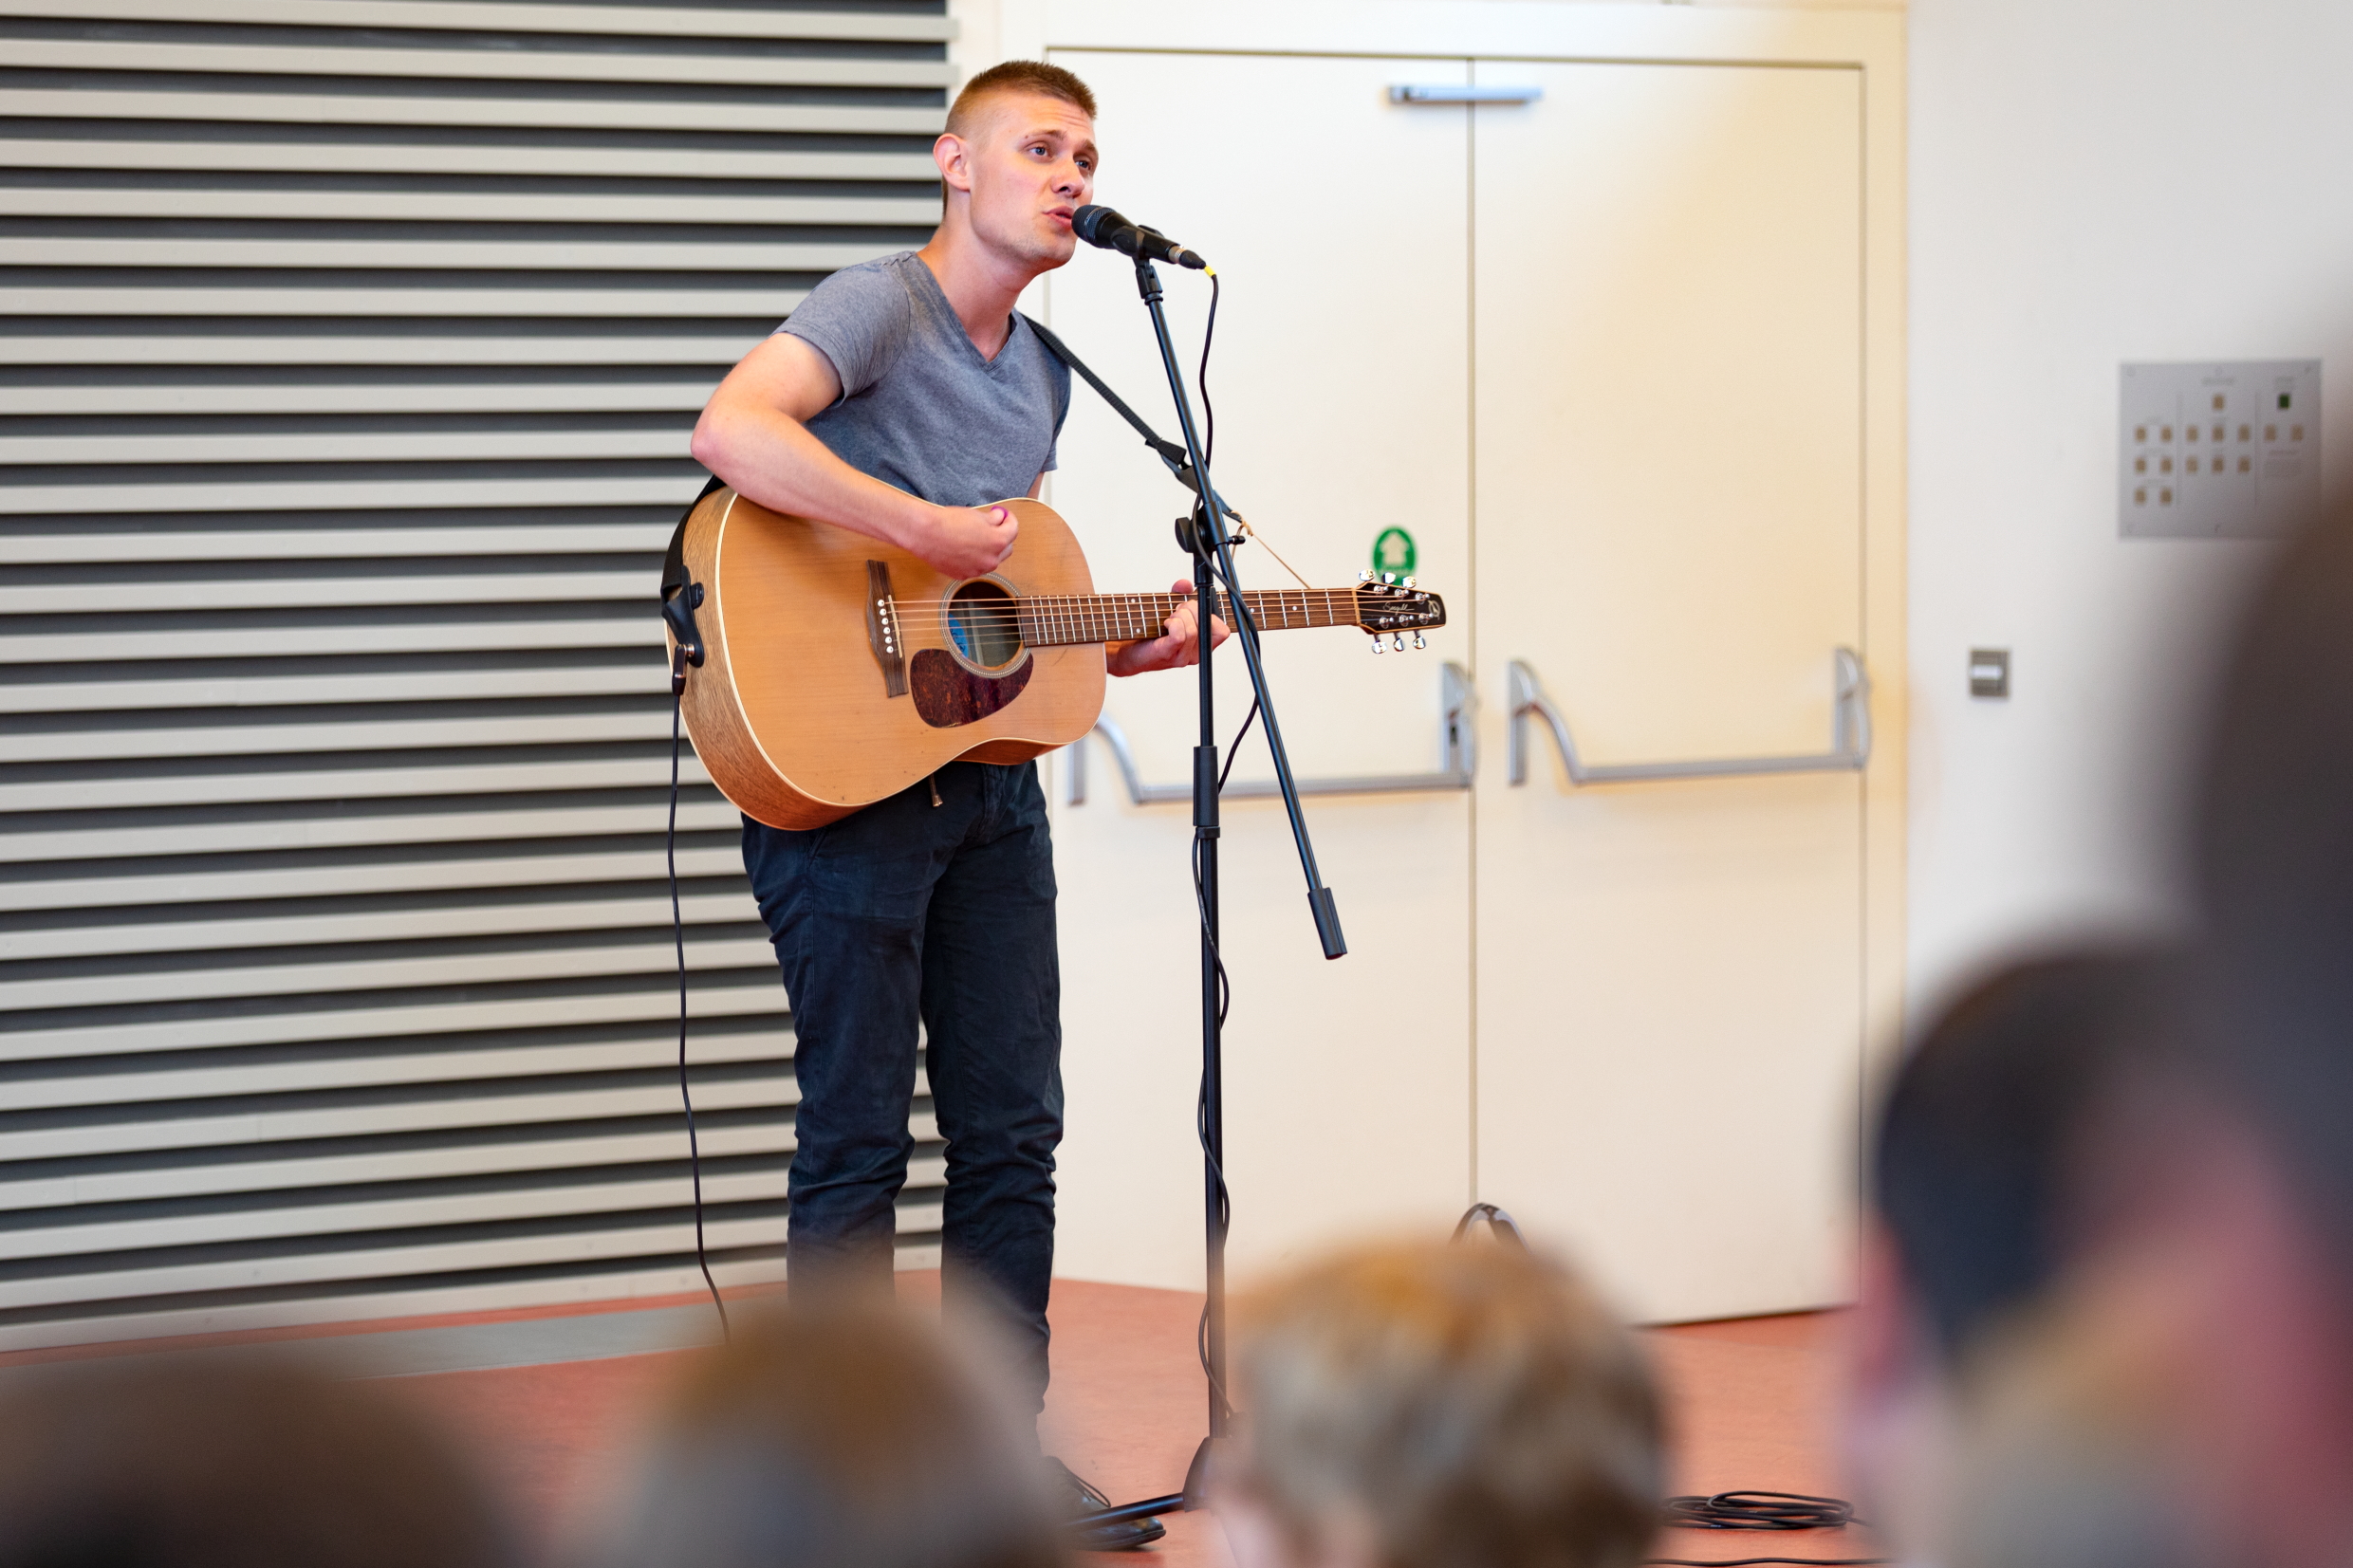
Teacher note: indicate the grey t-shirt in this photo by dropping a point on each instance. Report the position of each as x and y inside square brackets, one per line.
[920, 408]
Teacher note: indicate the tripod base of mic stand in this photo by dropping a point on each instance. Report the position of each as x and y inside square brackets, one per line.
[1193, 1496]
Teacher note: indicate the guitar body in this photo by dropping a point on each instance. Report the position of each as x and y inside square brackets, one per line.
[795, 711]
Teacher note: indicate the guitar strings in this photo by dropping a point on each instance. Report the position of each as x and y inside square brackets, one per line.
[1111, 622]
[1259, 601]
[985, 606]
[1050, 630]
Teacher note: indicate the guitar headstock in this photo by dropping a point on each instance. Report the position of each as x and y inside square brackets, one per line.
[1387, 605]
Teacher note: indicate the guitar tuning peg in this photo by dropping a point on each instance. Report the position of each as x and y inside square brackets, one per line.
[1376, 642]
[1388, 577]
[1409, 582]
[1420, 641]
[1363, 577]
[1398, 640]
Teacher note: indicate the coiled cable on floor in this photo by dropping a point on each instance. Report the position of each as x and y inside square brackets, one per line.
[1756, 1510]
[1759, 1510]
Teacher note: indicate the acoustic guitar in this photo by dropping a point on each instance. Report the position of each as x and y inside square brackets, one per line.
[837, 670]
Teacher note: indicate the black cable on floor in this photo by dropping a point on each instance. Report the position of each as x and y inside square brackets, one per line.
[686, 1094]
[1757, 1510]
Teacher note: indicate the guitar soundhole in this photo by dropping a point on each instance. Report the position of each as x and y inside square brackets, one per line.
[985, 624]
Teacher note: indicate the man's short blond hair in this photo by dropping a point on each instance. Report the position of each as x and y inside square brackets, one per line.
[1467, 1406]
[1010, 78]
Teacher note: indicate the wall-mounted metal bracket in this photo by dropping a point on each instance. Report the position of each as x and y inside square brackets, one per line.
[1850, 735]
[1458, 703]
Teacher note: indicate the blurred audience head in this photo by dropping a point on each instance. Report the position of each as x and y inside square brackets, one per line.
[2252, 1253]
[2002, 1137]
[1978, 1169]
[186, 1467]
[2275, 863]
[1468, 1405]
[839, 1433]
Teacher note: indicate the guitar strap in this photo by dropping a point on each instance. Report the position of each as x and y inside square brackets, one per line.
[677, 606]
[1168, 452]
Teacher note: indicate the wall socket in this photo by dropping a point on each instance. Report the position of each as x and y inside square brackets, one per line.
[2229, 450]
[1989, 673]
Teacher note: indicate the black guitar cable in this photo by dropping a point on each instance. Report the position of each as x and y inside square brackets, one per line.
[677, 932]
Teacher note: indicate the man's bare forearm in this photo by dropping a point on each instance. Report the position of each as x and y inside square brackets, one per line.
[771, 457]
[752, 435]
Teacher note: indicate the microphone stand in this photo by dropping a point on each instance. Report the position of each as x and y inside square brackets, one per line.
[1205, 539]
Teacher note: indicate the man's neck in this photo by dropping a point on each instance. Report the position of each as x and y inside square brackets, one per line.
[981, 283]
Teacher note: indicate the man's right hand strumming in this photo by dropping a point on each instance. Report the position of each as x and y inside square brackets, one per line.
[965, 541]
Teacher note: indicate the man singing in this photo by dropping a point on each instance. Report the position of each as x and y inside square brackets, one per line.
[902, 397]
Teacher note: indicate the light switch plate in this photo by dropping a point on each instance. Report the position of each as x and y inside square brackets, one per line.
[2218, 451]
[1989, 673]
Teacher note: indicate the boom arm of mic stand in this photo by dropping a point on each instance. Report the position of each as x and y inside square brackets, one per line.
[1319, 901]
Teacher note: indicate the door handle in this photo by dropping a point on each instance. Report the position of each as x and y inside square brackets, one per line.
[1416, 92]
[1457, 702]
[1850, 735]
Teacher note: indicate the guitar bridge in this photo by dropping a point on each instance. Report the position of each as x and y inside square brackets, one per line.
[882, 633]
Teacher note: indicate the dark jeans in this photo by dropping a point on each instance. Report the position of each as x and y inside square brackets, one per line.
[944, 913]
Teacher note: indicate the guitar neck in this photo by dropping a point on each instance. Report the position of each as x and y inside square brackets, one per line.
[1051, 619]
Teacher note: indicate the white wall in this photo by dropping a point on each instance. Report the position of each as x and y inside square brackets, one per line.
[2091, 181]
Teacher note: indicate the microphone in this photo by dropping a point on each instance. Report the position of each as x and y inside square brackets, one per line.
[1102, 227]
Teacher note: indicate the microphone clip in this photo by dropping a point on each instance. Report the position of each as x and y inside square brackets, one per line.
[1196, 540]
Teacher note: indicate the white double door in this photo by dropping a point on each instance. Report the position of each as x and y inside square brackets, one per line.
[1600, 354]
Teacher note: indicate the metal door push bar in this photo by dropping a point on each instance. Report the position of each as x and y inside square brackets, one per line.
[1457, 700]
[1850, 735]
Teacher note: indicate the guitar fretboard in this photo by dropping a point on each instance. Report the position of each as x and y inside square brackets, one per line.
[1051, 619]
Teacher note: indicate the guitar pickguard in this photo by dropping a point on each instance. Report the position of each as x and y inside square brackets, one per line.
[947, 695]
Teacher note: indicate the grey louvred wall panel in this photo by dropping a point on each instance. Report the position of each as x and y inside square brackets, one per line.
[348, 350]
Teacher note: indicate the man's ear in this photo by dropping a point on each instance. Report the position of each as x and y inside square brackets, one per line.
[952, 157]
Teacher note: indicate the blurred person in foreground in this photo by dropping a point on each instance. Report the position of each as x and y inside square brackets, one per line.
[194, 1468]
[839, 1433]
[1438, 1406]
[1984, 1423]
[2215, 1318]
[2251, 1251]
